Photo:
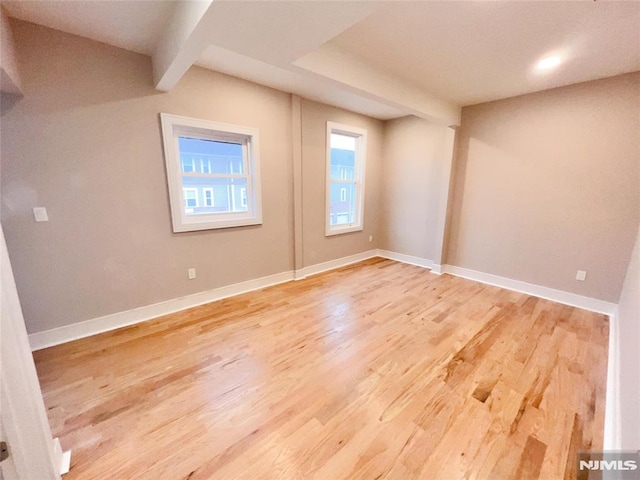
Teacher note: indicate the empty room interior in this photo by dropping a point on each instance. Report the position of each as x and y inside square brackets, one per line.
[320, 240]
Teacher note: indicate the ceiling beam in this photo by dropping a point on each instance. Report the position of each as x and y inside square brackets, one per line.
[272, 32]
[355, 74]
[278, 32]
[291, 40]
[10, 81]
[182, 44]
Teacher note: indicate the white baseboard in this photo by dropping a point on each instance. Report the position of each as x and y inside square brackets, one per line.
[612, 426]
[332, 264]
[67, 333]
[75, 331]
[410, 259]
[566, 298]
[61, 460]
[65, 466]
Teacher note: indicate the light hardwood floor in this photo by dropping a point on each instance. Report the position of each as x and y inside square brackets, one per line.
[377, 370]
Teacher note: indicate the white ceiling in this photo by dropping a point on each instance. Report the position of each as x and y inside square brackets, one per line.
[473, 52]
[385, 59]
[132, 25]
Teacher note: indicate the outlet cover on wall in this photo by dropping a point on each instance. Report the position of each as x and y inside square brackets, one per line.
[192, 273]
[581, 275]
[40, 214]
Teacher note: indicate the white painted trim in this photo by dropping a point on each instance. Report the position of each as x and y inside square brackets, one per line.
[24, 424]
[61, 458]
[173, 126]
[566, 298]
[67, 333]
[436, 268]
[612, 427]
[332, 264]
[360, 168]
[75, 331]
[404, 258]
[65, 466]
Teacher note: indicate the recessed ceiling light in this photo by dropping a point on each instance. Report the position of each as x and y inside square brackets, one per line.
[547, 63]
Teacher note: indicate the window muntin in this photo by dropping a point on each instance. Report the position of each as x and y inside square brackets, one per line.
[346, 149]
[214, 164]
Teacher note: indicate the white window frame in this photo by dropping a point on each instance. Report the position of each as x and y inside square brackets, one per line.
[174, 126]
[204, 197]
[360, 135]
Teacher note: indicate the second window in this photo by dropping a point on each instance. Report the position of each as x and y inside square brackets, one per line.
[346, 152]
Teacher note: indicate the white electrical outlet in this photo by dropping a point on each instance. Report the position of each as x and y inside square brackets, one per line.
[192, 273]
[40, 214]
[581, 275]
[371, 238]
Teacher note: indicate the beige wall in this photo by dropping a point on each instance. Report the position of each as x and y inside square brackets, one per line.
[85, 143]
[629, 340]
[412, 170]
[547, 184]
[318, 248]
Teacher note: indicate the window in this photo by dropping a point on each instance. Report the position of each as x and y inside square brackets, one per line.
[188, 164]
[190, 196]
[346, 152]
[213, 171]
[207, 194]
[205, 165]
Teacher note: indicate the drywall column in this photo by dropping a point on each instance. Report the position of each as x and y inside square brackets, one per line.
[296, 149]
[182, 44]
[10, 80]
[444, 201]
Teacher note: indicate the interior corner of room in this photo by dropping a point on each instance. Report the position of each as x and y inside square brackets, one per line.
[527, 185]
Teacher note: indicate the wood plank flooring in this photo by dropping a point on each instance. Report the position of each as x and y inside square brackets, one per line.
[376, 370]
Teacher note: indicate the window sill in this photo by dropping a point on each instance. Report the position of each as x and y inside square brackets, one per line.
[208, 225]
[338, 231]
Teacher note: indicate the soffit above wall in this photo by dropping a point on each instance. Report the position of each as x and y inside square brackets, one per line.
[382, 59]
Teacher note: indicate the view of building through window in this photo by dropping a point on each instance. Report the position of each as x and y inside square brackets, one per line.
[214, 176]
[342, 205]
